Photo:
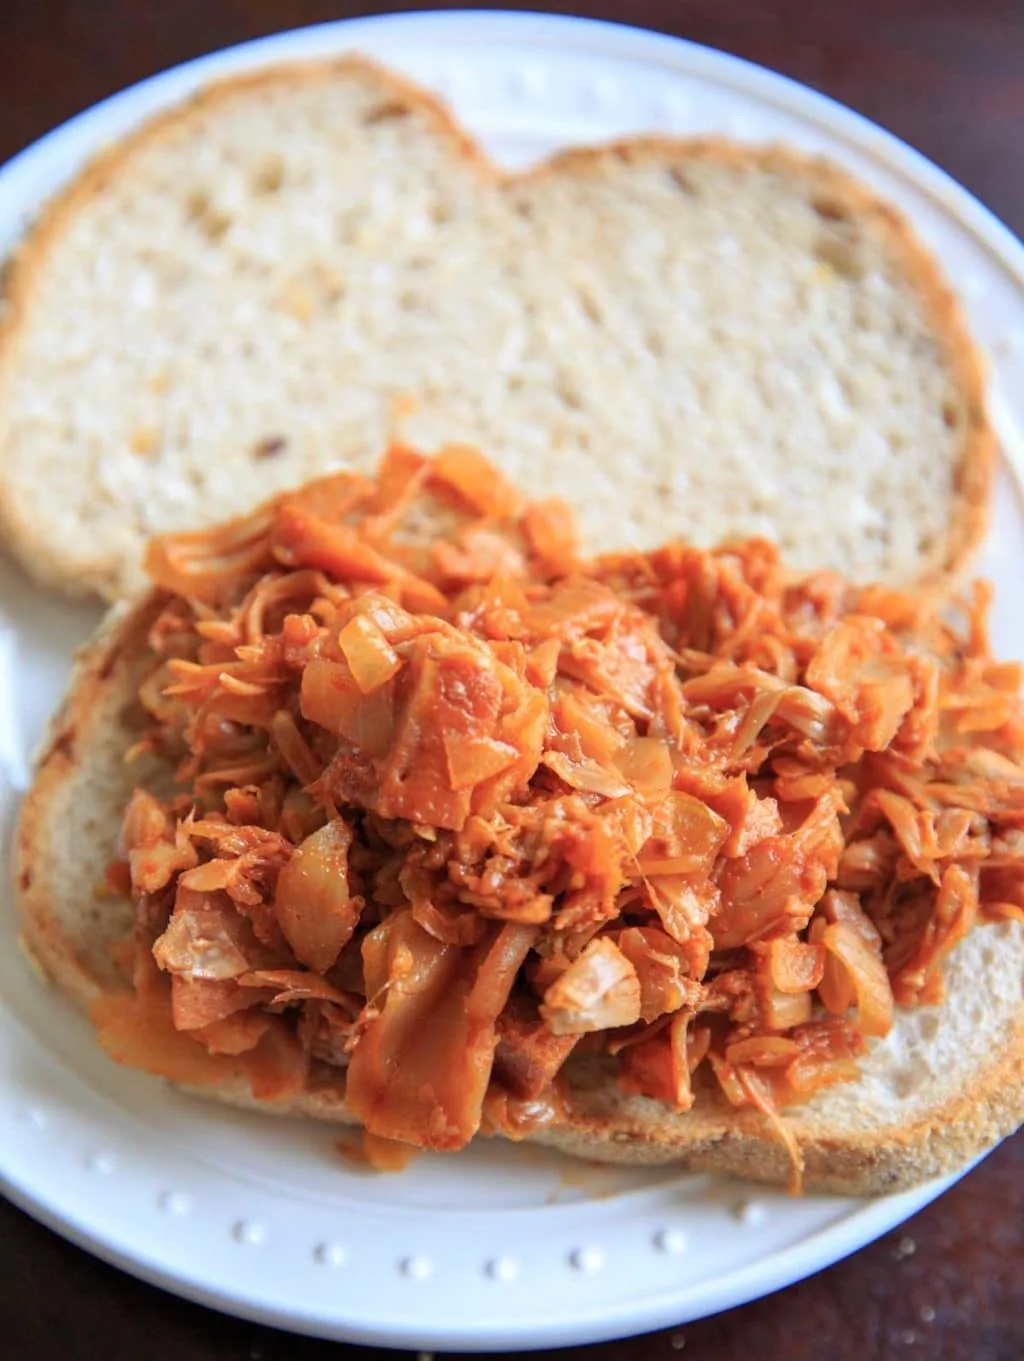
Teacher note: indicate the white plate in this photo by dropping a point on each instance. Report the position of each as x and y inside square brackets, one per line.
[499, 1248]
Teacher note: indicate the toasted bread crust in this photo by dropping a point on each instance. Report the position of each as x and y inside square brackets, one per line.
[102, 666]
[600, 1125]
[715, 1138]
[57, 568]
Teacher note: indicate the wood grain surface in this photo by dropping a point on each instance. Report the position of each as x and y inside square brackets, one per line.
[946, 75]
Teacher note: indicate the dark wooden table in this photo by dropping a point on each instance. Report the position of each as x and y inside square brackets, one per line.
[947, 75]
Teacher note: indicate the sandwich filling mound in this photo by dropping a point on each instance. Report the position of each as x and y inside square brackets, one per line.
[456, 804]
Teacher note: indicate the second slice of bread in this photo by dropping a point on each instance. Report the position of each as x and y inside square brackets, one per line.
[681, 337]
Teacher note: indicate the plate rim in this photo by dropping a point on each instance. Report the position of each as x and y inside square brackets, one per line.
[874, 1218]
[750, 1283]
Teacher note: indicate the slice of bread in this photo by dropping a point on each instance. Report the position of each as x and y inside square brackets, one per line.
[944, 1086]
[678, 335]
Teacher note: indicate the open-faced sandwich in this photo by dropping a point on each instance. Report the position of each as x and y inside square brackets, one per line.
[387, 804]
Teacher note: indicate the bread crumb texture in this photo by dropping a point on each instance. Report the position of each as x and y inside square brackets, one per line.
[680, 338]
